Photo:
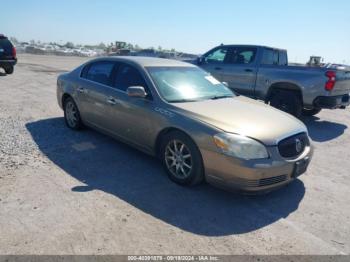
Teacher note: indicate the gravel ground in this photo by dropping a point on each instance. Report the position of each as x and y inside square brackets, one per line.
[65, 192]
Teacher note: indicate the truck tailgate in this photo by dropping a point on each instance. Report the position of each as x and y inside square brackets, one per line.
[342, 84]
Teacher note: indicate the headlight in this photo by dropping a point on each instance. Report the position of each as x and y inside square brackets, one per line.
[240, 146]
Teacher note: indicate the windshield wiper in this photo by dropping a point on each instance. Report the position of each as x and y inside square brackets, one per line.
[220, 97]
[182, 100]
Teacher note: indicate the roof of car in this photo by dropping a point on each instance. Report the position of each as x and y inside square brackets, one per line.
[252, 46]
[148, 61]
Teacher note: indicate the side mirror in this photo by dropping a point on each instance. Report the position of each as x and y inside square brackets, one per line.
[200, 60]
[136, 91]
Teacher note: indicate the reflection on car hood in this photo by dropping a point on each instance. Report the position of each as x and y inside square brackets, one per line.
[244, 116]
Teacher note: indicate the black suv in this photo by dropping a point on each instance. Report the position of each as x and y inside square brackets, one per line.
[8, 57]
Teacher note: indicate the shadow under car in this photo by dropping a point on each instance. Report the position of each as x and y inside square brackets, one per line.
[102, 163]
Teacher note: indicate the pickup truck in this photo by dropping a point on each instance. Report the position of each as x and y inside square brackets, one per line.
[263, 73]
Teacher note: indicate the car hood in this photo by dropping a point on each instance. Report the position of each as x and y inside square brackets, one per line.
[245, 116]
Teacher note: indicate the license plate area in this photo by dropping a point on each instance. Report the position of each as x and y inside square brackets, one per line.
[300, 167]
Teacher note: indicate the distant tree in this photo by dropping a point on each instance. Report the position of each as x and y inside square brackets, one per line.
[69, 45]
[160, 48]
[102, 46]
[32, 42]
[137, 47]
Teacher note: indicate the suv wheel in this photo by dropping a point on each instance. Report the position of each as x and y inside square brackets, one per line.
[311, 112]
[9, 70]
[71, 114]
[182, 159]
[287, 101]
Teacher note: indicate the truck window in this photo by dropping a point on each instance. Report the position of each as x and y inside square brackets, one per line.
[283, 59]
[216, 56]
[270, 57]
[241, 55]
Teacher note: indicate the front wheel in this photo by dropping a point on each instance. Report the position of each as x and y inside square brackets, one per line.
[182, 159]
[311, 112]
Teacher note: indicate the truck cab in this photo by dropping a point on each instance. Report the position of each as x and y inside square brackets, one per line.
[262, 72]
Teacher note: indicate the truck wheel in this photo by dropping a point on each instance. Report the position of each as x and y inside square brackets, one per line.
[9, 70]
[287, 101]
[311, 112]
[181, 159]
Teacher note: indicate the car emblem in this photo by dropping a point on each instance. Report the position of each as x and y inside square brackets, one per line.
[298, 145]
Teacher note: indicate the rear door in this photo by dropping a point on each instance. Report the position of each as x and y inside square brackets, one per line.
[214, 61]
[93, 92]
[240, 69]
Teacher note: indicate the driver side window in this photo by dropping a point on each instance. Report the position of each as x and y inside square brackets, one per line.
[217, 56]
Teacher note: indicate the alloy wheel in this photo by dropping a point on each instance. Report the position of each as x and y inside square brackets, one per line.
[71, 114]
[178, 159]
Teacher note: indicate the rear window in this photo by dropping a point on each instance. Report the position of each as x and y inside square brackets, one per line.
[5, 44]
[270, 57]
[242, 55]
[283, 59]
[99, 72]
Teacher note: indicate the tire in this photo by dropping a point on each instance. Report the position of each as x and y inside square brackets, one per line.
[311, 112]
[287, 101]
[72, 114]
[189, 155]
[9, 70]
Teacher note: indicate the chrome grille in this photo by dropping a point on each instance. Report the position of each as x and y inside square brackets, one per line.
[293, 146]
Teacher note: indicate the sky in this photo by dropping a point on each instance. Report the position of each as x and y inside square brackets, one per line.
[304, 28]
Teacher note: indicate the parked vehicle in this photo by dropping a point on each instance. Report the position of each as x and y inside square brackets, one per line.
[197, 126]
[8, 57]
[263, 73]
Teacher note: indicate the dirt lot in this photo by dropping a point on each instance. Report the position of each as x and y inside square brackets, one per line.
[65, 192]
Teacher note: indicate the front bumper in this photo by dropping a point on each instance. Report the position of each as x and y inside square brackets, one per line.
[253, 176]
[332, 102]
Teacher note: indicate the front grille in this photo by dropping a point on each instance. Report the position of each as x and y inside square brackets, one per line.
[259, 183]
[272, 180]
[293, 146]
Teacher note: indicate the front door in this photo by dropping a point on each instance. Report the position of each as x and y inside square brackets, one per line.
[214, 61]
[128, 117]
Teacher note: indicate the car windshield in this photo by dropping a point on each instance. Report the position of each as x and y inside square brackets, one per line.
[187, 84]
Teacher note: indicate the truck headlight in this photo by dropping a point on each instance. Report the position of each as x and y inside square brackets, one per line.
[240, 146]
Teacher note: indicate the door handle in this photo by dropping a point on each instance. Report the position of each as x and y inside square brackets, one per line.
[218, 68]
[249, 70]
[81, 90]
[111, 101]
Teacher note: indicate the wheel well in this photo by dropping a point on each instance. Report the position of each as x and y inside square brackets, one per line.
[161, 134]
[64, 98]
[283, 86]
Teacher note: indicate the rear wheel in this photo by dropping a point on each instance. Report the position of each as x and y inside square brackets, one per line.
[287, 101]
[9, 70]
[72, 114]
[311, 112]
[181, 159]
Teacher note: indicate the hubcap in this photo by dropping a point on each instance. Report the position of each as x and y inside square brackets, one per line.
[178, 159]
[71, 114]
